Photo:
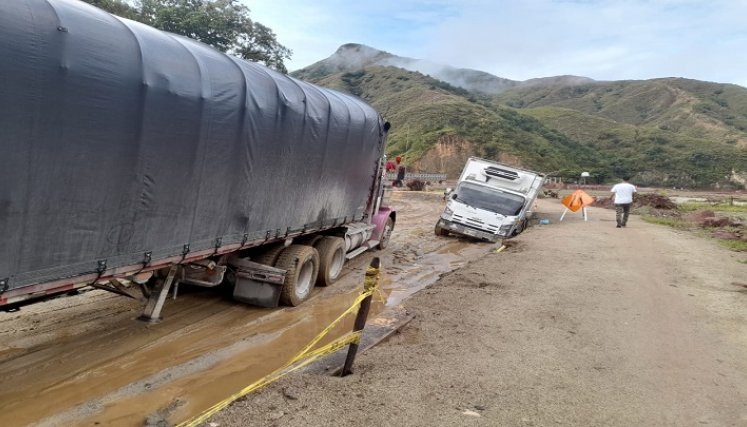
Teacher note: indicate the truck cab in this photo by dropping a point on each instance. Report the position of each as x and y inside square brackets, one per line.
[491, 201]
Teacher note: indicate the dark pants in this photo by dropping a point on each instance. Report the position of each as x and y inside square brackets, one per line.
[622, 210]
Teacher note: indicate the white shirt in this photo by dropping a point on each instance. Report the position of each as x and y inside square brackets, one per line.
[623, 193]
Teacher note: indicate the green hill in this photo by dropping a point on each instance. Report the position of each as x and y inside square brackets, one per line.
[669, 131]
[689, 107]
[666, 132]
[428, 114]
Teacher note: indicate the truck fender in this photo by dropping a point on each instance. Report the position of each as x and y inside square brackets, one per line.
[379, 220]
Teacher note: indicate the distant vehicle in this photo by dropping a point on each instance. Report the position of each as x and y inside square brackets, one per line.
[491, 201]
[134, 159]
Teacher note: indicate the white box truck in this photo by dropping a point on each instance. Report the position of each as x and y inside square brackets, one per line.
[491, 201]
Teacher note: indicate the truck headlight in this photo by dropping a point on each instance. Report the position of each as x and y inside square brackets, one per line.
[447, 212]
[505, 229]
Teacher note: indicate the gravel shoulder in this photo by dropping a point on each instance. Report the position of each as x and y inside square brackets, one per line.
[575, 323]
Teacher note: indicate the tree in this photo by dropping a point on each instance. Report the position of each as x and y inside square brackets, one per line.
[116, 7]
[223, 24]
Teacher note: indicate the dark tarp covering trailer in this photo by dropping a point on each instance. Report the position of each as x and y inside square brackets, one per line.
[122, 145]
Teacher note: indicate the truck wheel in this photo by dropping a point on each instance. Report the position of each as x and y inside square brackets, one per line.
[302, 265]
[520, 229]
[386, 234]
[269, 256]
[440, 231]
[331, 259]
[310, 240]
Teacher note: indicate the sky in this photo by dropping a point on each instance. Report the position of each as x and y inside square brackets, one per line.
[523, 39]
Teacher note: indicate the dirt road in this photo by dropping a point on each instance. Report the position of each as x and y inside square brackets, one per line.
[576, 323]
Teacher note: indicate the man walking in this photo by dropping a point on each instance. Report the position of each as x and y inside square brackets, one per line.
[623, 200]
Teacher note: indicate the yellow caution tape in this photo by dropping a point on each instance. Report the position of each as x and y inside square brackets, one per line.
[304, 358]
[380, 295]
[331, 326]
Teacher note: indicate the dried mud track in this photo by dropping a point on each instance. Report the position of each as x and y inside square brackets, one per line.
[85, 359]
[576, 323]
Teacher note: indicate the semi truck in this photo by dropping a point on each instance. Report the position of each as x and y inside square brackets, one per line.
[135, 159]
[492, 201]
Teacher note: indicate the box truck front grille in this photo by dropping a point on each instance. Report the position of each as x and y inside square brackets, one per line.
[474, 223]
[501, 173]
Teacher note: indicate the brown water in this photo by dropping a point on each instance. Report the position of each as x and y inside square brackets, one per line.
[86, 360]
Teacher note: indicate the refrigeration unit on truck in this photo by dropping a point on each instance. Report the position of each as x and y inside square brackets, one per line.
[134, 159]
[491, 201]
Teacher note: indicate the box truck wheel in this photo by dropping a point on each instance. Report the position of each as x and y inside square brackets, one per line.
[331, 259]
[302, 265]
[386, 234]
[440, 231]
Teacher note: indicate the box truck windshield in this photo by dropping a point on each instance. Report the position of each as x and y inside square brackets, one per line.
[489, 199]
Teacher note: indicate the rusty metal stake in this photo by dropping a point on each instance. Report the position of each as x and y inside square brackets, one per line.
[370, 283]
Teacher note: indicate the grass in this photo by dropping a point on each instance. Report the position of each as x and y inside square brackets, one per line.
[668, 221]
[681, 224]
[735, 245]
[718, 207]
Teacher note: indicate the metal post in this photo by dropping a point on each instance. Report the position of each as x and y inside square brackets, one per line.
[370, 283]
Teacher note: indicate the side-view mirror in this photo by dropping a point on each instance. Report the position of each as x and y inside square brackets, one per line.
[453, 196]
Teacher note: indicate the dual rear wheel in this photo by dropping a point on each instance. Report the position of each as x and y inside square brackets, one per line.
[306, 266]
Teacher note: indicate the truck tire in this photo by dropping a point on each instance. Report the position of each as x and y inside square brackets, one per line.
[331, 259]
[310, 240]
[440, 231]
[269, 256]
[302, 266]
[386, 234]
[520, 229]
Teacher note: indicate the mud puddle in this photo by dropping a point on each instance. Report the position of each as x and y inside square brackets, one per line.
[427, 268]
[85, 360]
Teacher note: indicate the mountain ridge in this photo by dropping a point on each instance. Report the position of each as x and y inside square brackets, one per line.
[666, 131]
[351, 57]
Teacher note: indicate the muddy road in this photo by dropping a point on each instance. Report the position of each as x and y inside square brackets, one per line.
[85, 360]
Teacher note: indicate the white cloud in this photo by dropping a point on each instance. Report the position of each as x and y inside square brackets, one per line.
[604, 39]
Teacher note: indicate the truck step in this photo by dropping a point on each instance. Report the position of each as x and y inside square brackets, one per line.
[355, 253]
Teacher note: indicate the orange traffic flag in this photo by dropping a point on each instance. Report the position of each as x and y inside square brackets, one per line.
[577, 200]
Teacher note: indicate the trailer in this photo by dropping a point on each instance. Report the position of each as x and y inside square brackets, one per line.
[135, 159]
[492, 201]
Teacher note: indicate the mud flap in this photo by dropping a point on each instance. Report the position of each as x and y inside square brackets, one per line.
[257, 284]
[254, 292]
